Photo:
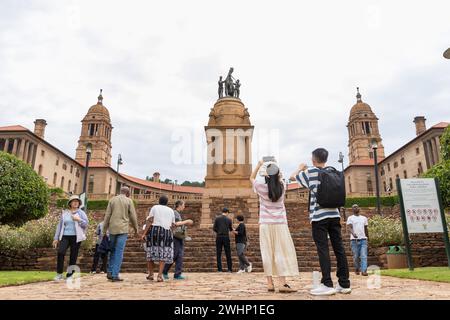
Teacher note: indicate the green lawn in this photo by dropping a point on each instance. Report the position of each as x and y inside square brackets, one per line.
[441, 274]
[10, 278]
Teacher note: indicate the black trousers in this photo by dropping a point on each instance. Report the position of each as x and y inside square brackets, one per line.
[64, 244]
[223, 242]
[97, 256]
[320, 231]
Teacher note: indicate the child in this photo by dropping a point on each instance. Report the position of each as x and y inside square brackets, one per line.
[101, 249]
[241, 245]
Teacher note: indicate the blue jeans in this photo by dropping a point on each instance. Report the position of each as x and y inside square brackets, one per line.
[359, 249]
[117, 246]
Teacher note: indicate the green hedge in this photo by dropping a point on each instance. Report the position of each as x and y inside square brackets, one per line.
[372, 201]
[92, 204]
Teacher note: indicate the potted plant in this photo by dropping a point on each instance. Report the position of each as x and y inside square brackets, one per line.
[386, 235]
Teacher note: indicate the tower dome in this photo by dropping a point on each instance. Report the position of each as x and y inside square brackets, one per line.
[360, 107]
[99, 109]
[96, 129]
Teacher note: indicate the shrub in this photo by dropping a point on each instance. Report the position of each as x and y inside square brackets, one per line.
[23, 193]
[385, 231]
[38, 234]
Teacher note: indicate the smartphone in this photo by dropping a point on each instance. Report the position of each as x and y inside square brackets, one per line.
[269, 159]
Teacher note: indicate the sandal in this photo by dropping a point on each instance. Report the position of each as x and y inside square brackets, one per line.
[150, 277]
[160, 279]
[271, 288]
[287, 289]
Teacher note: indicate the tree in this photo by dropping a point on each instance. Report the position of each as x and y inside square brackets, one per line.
[23, 193]
[441, 171]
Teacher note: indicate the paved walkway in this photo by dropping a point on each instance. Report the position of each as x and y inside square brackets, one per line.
[219, 286]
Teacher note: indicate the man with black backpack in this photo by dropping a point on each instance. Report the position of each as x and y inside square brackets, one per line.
[327, 193]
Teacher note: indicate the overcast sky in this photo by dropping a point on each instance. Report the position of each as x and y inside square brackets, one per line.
[158, 63]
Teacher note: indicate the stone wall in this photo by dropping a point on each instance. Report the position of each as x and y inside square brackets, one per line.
[427, 249]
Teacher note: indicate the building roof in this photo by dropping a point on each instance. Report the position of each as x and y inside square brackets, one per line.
[13, 128]
[440, 125]
[18, 128]
[163, 186]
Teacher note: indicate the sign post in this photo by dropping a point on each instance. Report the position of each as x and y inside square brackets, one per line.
[405, 226]
[421, 211]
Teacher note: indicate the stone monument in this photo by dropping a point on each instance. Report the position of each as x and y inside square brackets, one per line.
[229, 163]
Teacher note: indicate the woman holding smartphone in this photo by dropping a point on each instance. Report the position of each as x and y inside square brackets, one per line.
[70, 232]
[277, 248]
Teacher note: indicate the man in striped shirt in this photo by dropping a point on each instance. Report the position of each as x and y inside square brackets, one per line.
[325, 222]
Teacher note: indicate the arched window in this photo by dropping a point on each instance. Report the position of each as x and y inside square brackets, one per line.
[55, 176]
[369, 186]
[405, 175]
[40, 170]
[75, 188]
[62, 182]
[69, 185]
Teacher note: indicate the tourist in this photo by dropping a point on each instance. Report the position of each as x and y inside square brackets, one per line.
[179, 235]
[159, 237]
[357, 226]
[241, 245]
[120, 214]
[277, 248]
[101, 249]
[222, 227]
[71, 230]
[325, 222]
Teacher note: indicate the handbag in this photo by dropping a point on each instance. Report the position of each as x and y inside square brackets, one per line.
[104, 246]
[180, 232]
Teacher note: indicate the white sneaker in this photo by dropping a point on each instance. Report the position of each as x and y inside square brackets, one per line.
[250, 267]
[241, 271]
[58, 277]
[322, 290]
[339, 289]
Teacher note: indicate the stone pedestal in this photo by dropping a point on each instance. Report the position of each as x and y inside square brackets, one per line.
[227, 182]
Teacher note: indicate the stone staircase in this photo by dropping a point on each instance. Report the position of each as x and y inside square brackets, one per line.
[200, 253]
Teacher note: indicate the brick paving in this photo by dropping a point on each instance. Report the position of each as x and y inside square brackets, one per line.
[225, 286]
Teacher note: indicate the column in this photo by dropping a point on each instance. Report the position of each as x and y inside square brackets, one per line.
[438, 148]
[25, 150]
[14, 149]
[33, 157]
[29, 153]
[21, 149]
[5, 148]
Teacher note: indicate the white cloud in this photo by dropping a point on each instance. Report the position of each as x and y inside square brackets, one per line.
[158, 63]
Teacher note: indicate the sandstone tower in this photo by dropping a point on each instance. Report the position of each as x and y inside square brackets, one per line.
[96, 129]
[362, 128]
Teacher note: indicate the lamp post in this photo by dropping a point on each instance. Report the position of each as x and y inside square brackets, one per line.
[88, 157]
[447, 54]
[341, 160]
[119, 163]
[374, 145]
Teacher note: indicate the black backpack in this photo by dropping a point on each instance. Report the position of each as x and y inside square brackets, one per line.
[331, 190]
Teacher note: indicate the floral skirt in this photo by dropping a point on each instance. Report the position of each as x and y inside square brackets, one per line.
[160, 245]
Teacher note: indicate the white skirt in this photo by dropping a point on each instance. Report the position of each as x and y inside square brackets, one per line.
[277, 250]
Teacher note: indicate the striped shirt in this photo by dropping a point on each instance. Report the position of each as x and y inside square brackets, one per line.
[270, 212]
[310, 179]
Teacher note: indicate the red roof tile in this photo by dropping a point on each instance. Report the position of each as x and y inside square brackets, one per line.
[13, 128]
[163, 186]
[441, 125]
